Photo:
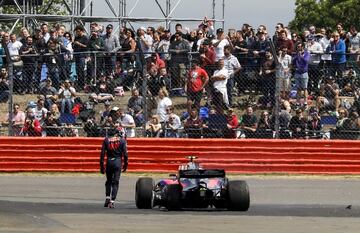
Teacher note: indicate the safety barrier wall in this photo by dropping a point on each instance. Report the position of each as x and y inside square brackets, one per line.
[54, 154]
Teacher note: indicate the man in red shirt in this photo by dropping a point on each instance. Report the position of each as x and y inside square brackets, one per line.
[197, 81]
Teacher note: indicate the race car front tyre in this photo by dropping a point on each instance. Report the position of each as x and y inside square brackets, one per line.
[144, 193]
[173, 196]
[238, 194]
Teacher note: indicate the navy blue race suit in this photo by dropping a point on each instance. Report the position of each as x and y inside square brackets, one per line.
[116, 150]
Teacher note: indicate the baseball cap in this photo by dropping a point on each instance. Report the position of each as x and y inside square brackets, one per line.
[115, 109]
[143, 28]
[110, 26]
[219, 30]
[310, 37]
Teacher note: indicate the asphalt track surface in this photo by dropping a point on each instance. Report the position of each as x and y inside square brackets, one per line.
[74, 203]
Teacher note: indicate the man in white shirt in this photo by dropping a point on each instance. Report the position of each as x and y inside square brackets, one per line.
[219, 43]
[126, 121]
[146, 42]
[14, 47]
[233, 67]
[315, 50]
[219, 79]
[163, 103]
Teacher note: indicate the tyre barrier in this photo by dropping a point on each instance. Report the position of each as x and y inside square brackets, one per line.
[257, 156]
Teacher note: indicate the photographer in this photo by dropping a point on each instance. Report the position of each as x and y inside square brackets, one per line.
[32, 126]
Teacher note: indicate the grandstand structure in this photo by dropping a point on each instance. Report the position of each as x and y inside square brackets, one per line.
[74, 12]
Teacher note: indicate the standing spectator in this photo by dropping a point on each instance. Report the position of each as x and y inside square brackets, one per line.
[193, 124]
[178, 49]
[337, 49]
[67, 94]
[4, 86]
[301, 65]
[146, 42]
[68, 56]
[96, 46]
[50, 93]
[24, 33]
[220, 43]
[248, 123]
[163, 103]
[32, 126]
[268, 79]
[111, 45]
[80, 46]
[284, 41]
[30, 62]
[326, 59]
[136, 106]
[199, 40]
[178, 30]
[298, 125]
[197, 81]
[207, 56]
[315, 50]
[129, 43]
[127, 122]
[45, 32]
[283, 73]
[233, 67]
[18, 119]
[219, 80]
[54, 61]
[163, 46]
[14, 47]
[354, 44]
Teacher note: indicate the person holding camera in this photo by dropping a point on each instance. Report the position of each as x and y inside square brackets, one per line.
[32, 126]
[115, 149]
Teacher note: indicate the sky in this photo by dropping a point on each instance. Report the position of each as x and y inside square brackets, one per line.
[237, 12]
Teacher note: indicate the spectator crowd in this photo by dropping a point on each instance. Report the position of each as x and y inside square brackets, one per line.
[220, 74]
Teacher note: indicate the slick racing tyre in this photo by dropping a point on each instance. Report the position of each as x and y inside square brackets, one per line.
[173, 196]
[238, 194]
[144, 193]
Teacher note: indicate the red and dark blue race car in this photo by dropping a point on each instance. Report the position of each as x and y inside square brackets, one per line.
[193, 187]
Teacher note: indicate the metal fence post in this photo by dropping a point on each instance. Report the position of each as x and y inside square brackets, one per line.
[10, 105]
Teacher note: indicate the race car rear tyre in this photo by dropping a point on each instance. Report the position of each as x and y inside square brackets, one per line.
[238, 194]
[144, 193]
[173, 196]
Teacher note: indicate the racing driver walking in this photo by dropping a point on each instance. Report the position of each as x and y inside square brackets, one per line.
[115, 148]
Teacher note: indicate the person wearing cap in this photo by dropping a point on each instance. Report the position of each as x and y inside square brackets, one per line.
[114, 150]
[32, 126]
[196, 83]
[80, 46]
[111, 46]
[146, 42]
[329, 95]
[219, 43]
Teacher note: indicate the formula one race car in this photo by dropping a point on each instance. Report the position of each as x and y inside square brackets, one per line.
[193, 187]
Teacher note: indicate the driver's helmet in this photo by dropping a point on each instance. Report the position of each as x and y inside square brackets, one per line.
[190, 166]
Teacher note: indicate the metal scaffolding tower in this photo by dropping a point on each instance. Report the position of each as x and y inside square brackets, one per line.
[29, 13]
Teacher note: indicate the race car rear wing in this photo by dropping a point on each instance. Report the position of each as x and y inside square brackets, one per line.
[197, 174]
